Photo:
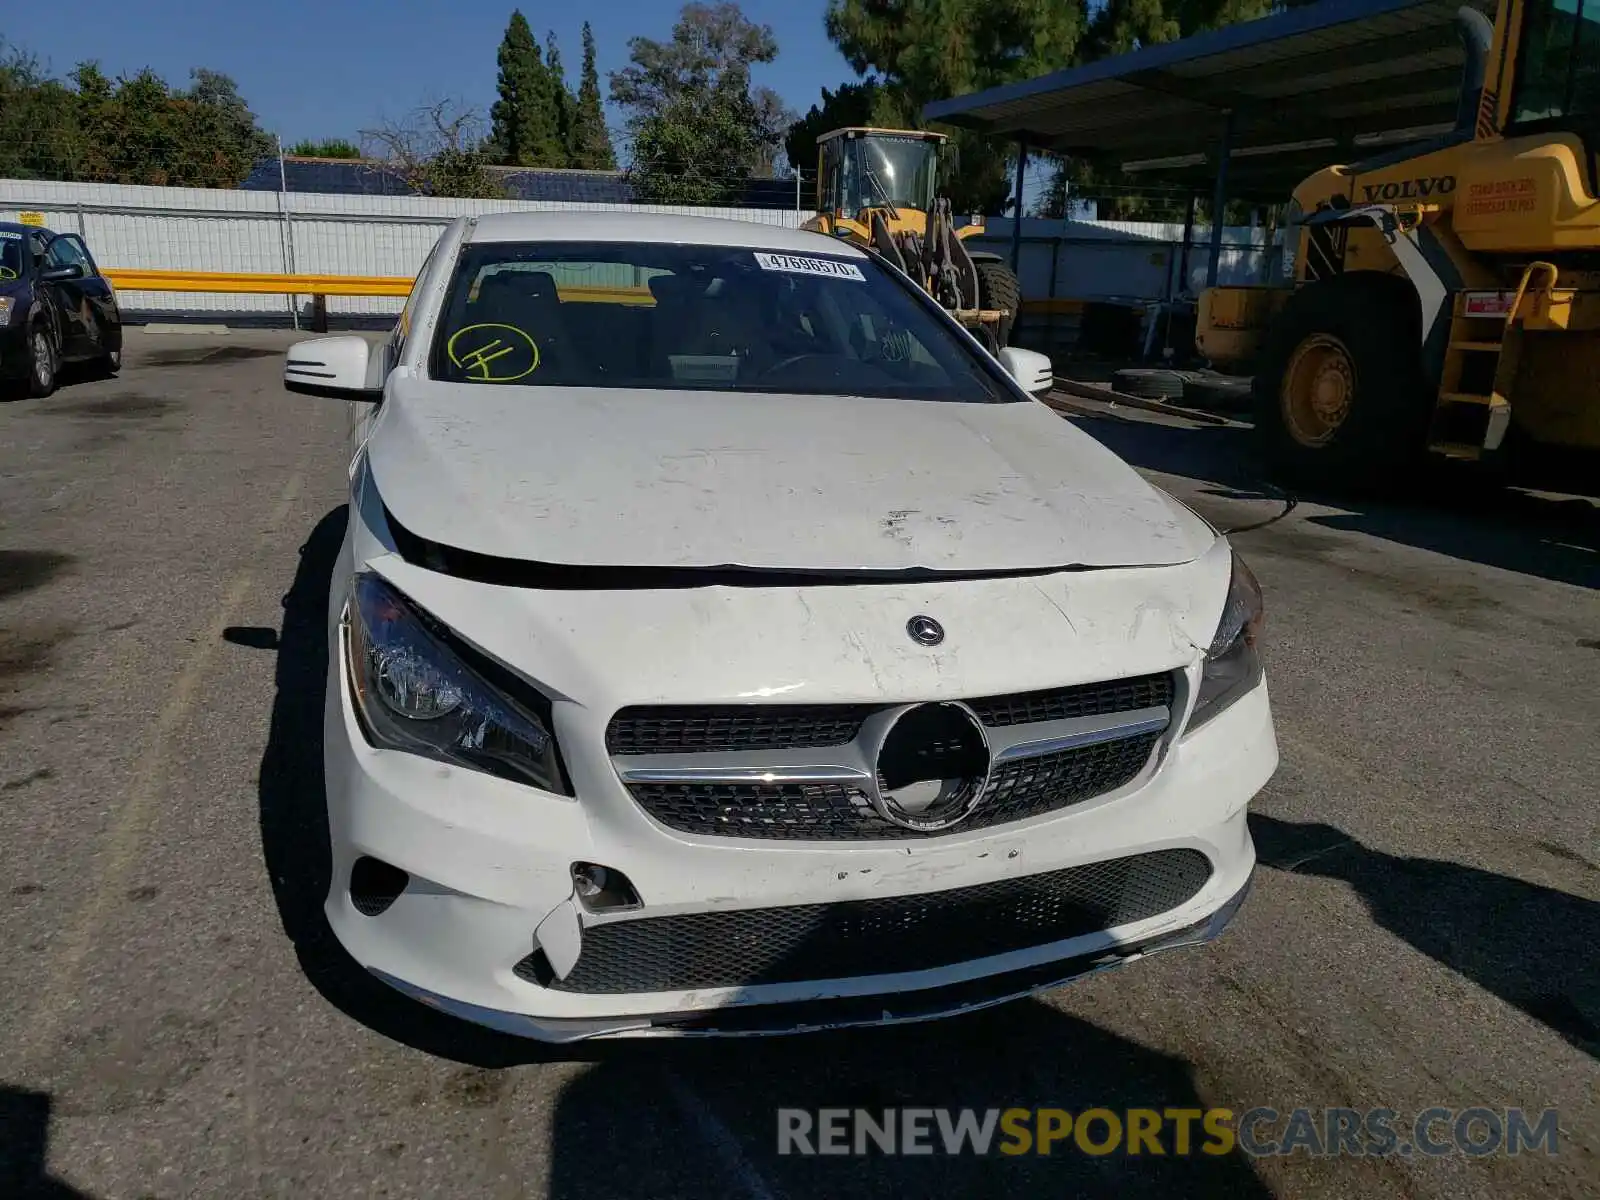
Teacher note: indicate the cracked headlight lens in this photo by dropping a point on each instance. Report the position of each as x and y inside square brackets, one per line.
[417, 689]
[1232, 666]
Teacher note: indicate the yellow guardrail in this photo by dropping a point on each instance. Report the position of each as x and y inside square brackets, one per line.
[320, 287]
[236, 281]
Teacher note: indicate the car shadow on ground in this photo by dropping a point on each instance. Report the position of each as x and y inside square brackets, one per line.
[698, 1116]
[1532, 946]
[1451, 511]
[24, 1143]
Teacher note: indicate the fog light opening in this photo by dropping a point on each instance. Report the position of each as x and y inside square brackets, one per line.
[375, 885]
[603, 889]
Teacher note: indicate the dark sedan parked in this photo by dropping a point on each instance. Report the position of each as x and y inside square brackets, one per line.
[55, 307]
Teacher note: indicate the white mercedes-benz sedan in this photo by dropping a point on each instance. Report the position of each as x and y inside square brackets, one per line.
[725, 642]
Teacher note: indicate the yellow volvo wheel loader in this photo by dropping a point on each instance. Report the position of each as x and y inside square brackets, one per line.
[878, 188]
[1444, 296]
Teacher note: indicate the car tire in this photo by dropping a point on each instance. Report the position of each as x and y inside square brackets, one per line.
[1340, 399]
[998, 288]
[110, 362]
[43, 362]
[1218, 394]
[1149, 383]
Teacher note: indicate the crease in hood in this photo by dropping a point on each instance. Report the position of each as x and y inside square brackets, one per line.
[563, 487]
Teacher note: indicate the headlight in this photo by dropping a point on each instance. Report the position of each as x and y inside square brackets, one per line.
[5, 309]
[416, 689]
[1232, 666]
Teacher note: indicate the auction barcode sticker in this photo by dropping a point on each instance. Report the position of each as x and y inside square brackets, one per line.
[809, 266]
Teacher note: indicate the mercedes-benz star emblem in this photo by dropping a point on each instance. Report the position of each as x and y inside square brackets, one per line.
[930, 765]
[925, 631]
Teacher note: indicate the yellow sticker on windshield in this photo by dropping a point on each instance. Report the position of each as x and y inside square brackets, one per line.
[492, 353]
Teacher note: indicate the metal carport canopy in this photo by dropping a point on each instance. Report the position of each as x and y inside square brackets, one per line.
[1297, 90]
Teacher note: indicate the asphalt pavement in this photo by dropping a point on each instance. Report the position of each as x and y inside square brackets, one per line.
[174, 1020]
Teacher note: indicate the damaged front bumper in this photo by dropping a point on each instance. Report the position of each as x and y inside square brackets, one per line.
[490, 884]
[810, 1016]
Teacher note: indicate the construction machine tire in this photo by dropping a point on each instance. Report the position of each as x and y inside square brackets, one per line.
[998, 288]
[1339, 396]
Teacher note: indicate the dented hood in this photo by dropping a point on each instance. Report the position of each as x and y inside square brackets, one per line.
[599, 477]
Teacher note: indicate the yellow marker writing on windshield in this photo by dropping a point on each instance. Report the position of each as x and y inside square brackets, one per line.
[478, 354]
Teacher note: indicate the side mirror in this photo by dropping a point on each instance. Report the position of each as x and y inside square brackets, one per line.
[335, 367]
[1029, 368]
[61, 274]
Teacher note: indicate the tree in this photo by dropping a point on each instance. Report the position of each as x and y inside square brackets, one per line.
[39, 137]
[131, 130]
[699, 130]
[524, 132]
[326, 148]
[590, 142]
[219, 130]
[851, 104]
[559, 98]
[437, 151]
[924, 50]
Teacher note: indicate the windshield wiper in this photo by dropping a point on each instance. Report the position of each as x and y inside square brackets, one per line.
[877, 186]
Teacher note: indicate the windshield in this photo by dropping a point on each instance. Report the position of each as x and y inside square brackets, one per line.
[698, 318]
[881, 170]
[1558, 71]
[11, 245]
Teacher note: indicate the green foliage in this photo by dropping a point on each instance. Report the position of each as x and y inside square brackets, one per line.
[525, 120]
[326, 148]
[128, 130]
[699, 129]
[924, 50]
[850, 104]
[590, 142]
[561, 101]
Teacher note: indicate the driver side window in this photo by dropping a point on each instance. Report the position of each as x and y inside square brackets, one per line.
[64, 251]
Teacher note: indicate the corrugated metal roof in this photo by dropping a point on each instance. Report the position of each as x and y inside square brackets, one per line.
[1350, 70]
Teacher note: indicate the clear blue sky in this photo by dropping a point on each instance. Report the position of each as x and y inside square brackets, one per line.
[328, 68]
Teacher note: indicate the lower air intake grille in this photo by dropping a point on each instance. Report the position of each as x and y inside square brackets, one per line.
[752, 947]
[836, 812]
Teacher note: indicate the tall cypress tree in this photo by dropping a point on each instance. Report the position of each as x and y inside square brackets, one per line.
[560, 100]
[591, 143]
[519, 86]
[524, 130]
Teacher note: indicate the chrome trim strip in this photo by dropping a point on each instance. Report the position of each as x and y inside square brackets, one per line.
[798, 773]
[1013, 742]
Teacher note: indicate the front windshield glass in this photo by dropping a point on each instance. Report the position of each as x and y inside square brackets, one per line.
[1558, 75]
[881, 170]
[11, 245]
[698, 318]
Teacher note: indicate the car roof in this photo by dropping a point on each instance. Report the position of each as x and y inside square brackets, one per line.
[14, 227]
[653, 227]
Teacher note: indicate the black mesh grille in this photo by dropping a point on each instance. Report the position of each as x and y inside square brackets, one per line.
[751, 947]
[1085, 700]
[836, 812]
[720, 728]
[710, 730]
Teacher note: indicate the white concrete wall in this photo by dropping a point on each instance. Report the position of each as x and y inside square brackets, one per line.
[207, 229]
